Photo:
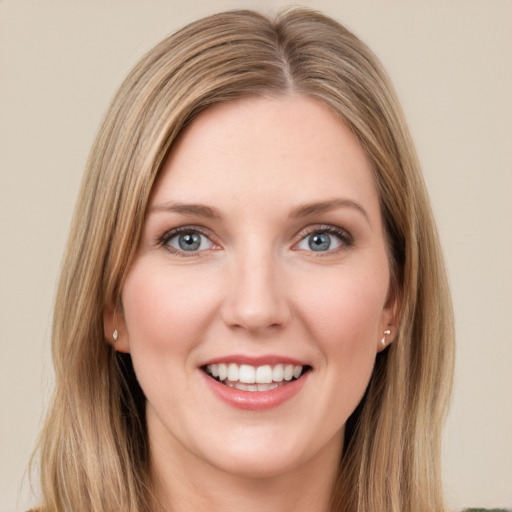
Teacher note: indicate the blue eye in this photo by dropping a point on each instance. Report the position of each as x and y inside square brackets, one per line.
[188, 241]
[323, 240]
[319, 242]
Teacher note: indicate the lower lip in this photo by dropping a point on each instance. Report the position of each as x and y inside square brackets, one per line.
[256, 400]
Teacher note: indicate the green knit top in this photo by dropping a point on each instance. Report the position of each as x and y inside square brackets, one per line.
[487, 510]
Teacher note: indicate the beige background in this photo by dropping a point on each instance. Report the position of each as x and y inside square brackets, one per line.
[451, 61]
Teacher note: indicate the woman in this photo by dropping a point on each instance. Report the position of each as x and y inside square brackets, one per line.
[253, 310]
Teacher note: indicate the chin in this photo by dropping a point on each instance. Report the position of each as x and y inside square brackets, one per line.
[272, 454]
[259, 465]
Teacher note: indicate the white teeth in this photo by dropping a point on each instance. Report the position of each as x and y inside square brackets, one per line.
[251, 378]
[264, 374]
[288, 372]
[246, 374]
[267, 387]
[251, 387]
[233, 372]
[278, 372]
[223, 371]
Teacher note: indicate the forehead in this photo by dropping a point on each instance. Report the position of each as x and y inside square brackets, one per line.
[288, 148]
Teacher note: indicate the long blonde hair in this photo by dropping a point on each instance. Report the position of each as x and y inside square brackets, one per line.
[94, 450]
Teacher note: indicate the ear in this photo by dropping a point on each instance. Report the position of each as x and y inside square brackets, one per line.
[113, 322]
[390, 319]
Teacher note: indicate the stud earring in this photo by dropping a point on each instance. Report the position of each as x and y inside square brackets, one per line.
[115, 335]
[387, 332]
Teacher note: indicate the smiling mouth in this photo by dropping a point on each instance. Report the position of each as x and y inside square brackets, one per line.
[246, 377]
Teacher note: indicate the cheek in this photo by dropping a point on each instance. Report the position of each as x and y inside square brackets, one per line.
[343, 309]
[344, 323]
[164, 310]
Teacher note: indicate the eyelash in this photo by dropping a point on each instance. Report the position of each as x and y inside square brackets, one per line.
[345, 238]
[164, 240]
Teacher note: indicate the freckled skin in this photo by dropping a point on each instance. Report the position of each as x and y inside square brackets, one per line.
[256, 288]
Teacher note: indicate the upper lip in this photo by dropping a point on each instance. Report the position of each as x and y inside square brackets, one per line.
[255, 360]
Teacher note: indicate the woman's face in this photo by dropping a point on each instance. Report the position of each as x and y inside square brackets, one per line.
[263, 259]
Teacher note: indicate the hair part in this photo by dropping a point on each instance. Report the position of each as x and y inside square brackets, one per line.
[94, 449]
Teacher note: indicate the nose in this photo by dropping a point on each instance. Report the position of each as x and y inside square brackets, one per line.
[256, 298]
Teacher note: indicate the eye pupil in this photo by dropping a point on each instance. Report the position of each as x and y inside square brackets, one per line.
[189, 241]
[319, 242]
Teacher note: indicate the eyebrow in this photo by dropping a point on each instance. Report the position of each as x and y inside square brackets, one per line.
[305, 210]
[309, 209]
[198, 210]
